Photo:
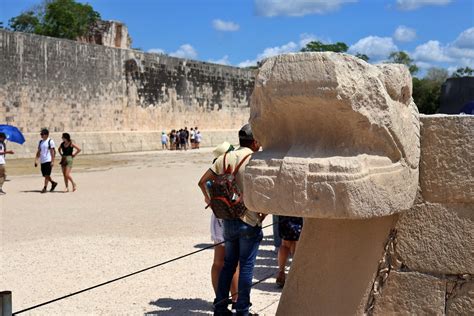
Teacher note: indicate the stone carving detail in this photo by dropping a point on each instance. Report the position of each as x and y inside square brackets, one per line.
[340, 138]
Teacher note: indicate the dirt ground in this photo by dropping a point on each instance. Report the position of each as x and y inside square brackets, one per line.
[131, 211]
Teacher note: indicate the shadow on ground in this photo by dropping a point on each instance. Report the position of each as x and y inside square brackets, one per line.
[185, 306]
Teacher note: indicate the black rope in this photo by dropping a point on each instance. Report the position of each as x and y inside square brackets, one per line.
[123, 277]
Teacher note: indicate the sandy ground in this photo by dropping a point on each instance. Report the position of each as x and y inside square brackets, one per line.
[131, 211]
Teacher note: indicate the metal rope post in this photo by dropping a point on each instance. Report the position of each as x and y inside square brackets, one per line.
[6, 303]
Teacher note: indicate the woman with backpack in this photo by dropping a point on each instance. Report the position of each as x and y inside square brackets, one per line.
[66, 151]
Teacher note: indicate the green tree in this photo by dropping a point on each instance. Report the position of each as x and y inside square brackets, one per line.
[463, 72]
[362, 56]
[57, 18]
[426, 94]
[27, 22]
[438, 75]
[401, 57]
[317, 46]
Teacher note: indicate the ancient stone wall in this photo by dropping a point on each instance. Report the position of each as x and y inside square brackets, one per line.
[75, 87]
[429, 263]
[117, 142]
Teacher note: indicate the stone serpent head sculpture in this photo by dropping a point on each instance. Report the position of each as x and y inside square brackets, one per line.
[340, 138]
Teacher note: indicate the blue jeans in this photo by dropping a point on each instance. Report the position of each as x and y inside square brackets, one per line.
[241, 247]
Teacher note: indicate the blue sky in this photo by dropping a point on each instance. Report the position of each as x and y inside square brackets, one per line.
[239, 32]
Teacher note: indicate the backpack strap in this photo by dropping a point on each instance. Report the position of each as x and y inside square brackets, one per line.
[240, 164]
[225, 168]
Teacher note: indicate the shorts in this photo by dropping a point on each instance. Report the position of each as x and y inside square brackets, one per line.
[192, 141]
[46, 169]
[67, 161]
[217, 229]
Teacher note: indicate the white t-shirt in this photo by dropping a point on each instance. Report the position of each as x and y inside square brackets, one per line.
[198, 137]
[192, 134]
[2, 157]
[45, 150]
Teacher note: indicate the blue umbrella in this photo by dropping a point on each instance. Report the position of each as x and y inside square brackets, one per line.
[13, 134]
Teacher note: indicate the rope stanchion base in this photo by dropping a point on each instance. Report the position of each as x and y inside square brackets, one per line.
[6, 303]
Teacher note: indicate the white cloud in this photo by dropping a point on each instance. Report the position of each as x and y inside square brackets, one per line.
[415, 4]
[305, 38]
[465, 39]
[223, 61]
[375, 47]
[297, 7]
[431, 51]
[156, 50]
[404, 34]
[185, 51]
[247, 63]
[225, 26]
[289, 47]
[277, 50]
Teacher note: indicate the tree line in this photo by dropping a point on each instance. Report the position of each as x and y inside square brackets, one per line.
[70, 19]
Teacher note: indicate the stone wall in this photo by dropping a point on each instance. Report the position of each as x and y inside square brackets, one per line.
[117, 142]
[429, 263]
[75, 87]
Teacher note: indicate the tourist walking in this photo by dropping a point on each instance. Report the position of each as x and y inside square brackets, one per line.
[3, 153]
[289, 229]
[46, 154]
[67, 156]
[242, 236]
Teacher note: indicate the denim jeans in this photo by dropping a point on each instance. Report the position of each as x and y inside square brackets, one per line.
[241, 247]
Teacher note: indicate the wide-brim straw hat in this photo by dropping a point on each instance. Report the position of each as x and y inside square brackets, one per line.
[221, 149]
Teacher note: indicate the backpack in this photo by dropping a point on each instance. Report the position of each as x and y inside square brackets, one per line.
[49, 145]
[226, 197]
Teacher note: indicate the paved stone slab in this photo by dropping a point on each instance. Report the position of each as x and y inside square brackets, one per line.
[411, 294]
[447, 147]
[437, 238]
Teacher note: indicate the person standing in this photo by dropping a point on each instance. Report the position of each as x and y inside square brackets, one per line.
[3, 153]
[192, 135]
[242, 236]
[46, 154]
[164, 140]
[198, 139]
[289, 228]
[66, 151]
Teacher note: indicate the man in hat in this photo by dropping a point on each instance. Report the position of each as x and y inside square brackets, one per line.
[3, 152]
[242, 236]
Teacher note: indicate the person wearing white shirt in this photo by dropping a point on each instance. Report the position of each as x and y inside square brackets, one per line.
[3, 152]
[46, 154]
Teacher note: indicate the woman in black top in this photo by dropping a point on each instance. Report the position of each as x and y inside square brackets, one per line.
[66, 151]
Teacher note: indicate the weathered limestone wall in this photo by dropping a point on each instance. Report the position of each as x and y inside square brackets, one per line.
[75, 87]
[427, 262]
[116, 142]
[430, 263]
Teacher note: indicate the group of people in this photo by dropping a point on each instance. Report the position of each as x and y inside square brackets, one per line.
[46, 156]
[234, 260]
[181, 139]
